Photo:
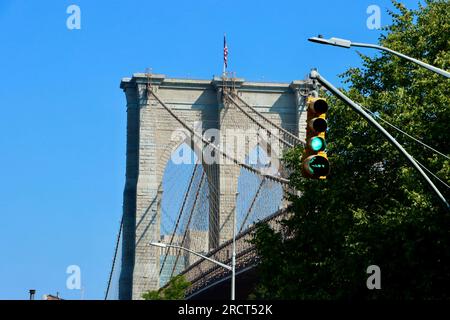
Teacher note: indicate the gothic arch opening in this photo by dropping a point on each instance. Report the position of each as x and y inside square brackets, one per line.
[258, 197]
[184, 210]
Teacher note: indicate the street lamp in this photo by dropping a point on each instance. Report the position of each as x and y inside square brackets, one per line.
[343, 43]
[230, 268]
[233, 255]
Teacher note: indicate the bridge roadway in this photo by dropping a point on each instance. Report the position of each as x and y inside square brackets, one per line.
[210, 281]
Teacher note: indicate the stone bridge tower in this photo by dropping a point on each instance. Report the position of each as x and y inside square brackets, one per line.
[149, 146]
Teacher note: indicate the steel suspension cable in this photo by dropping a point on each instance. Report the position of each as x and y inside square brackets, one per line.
[258, 123]
[114, 258]
[294, 137]
[179, 215]
[251, 205]
[188, 223]
[234, 160]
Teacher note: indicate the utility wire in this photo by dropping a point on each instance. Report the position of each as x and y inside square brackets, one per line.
[415, 139]
[435, 176]
[406, 134]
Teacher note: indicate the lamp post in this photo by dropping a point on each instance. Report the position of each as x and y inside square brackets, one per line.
[163, 245]
[343, 43]
[233, 256]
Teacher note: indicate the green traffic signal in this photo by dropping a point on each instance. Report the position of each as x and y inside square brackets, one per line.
[317, 166]
[315, 163]
[317, 144]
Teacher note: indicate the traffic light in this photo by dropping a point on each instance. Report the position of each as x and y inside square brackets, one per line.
[315, 161]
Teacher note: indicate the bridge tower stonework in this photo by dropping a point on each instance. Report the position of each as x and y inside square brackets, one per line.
[150, 144]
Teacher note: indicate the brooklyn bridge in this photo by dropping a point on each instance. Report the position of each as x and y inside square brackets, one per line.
[199, 152]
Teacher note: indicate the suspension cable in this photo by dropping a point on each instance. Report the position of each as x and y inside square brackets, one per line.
[258, 123]
[268, 120]
[234, 160]
[188, 223]
[179, 216]
[114, 258]
[252, 204]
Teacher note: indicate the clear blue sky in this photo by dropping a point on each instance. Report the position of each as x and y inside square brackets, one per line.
[62, 114]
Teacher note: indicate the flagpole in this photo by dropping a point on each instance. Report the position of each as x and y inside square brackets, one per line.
[224, 71]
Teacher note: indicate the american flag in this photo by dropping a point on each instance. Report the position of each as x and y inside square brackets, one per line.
[225, 52]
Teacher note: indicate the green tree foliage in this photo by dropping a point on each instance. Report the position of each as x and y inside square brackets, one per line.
[374, 208]
[175, 290]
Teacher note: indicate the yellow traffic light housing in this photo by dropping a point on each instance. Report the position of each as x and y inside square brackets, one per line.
[315, 163]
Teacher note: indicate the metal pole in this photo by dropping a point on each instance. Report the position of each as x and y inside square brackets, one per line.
[420, 63]
[32, 292]
[233, 257]
[200, 255]
[343, 43]
[315, 75]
